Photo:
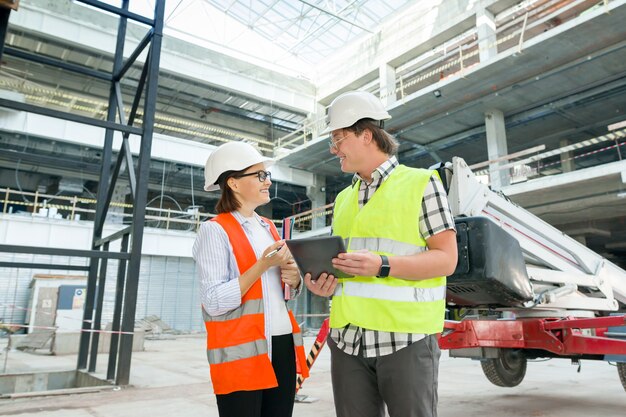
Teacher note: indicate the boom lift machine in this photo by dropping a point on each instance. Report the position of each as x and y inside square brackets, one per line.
[524, 289]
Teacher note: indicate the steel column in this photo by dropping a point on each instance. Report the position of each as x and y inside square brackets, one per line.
[97, 321]
[102, 204]
[132, 281]
[117, 312]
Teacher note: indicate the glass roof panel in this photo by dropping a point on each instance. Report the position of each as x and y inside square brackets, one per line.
[307, 30]
[292, 36]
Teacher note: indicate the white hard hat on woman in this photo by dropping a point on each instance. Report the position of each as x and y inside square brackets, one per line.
[231, 156]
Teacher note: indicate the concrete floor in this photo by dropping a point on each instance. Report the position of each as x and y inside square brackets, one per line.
[171, 378]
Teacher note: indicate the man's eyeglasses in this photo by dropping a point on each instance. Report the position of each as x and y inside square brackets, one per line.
[334, 145]
[261, 175]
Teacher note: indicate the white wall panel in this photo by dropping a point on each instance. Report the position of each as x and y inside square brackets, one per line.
[168, 286]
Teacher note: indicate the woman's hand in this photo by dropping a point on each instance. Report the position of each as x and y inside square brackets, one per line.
[275, 254]
[290, 274]
[324, 285]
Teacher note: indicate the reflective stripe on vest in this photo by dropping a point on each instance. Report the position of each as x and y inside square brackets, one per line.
[298, 340]
[384, 292]
[233, 353]
[249, 307]
[379, 244]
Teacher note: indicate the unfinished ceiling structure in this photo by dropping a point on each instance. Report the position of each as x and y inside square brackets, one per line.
[263, 72]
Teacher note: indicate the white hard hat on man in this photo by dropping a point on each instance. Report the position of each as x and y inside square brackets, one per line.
[352, 106]
[231, 156]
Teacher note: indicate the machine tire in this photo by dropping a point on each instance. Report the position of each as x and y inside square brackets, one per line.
[621, 370]
[508, 370]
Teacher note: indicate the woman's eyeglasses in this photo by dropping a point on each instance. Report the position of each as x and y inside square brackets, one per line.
[261, 175]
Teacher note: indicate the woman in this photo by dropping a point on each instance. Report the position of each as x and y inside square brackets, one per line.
[254, 344]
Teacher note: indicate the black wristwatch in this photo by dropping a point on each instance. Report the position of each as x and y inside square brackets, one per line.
[384, 267]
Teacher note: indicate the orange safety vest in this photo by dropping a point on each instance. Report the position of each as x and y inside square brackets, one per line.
[236, 344]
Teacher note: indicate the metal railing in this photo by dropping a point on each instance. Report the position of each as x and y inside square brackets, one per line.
[74, 208]
[545, 163]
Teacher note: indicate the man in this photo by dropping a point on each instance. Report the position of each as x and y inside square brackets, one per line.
[401, 244]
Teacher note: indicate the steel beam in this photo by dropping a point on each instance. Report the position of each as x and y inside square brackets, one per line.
[133, 57]
[17, 105]
[29, 265]
[120, 11]
[63, 252]
[57, 63]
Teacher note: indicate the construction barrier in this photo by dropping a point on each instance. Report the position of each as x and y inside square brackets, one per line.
[320, 340]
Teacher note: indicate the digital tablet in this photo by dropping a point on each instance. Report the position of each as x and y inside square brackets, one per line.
[314, 255]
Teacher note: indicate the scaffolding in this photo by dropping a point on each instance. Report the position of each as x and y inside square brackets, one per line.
[131, 236]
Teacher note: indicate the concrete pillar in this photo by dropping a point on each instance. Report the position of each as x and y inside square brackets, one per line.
[317, 195]
[317, 120]
[567, 164]
[387, 78]
[486, 28]
[496, 147]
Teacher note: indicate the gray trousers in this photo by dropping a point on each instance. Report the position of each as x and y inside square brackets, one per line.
[406, 381]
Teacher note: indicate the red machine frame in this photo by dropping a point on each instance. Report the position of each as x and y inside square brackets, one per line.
[562, 336]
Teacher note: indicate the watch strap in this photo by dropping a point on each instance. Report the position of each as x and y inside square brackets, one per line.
[384, 267]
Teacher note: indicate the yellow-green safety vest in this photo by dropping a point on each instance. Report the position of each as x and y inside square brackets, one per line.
[389, 225]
